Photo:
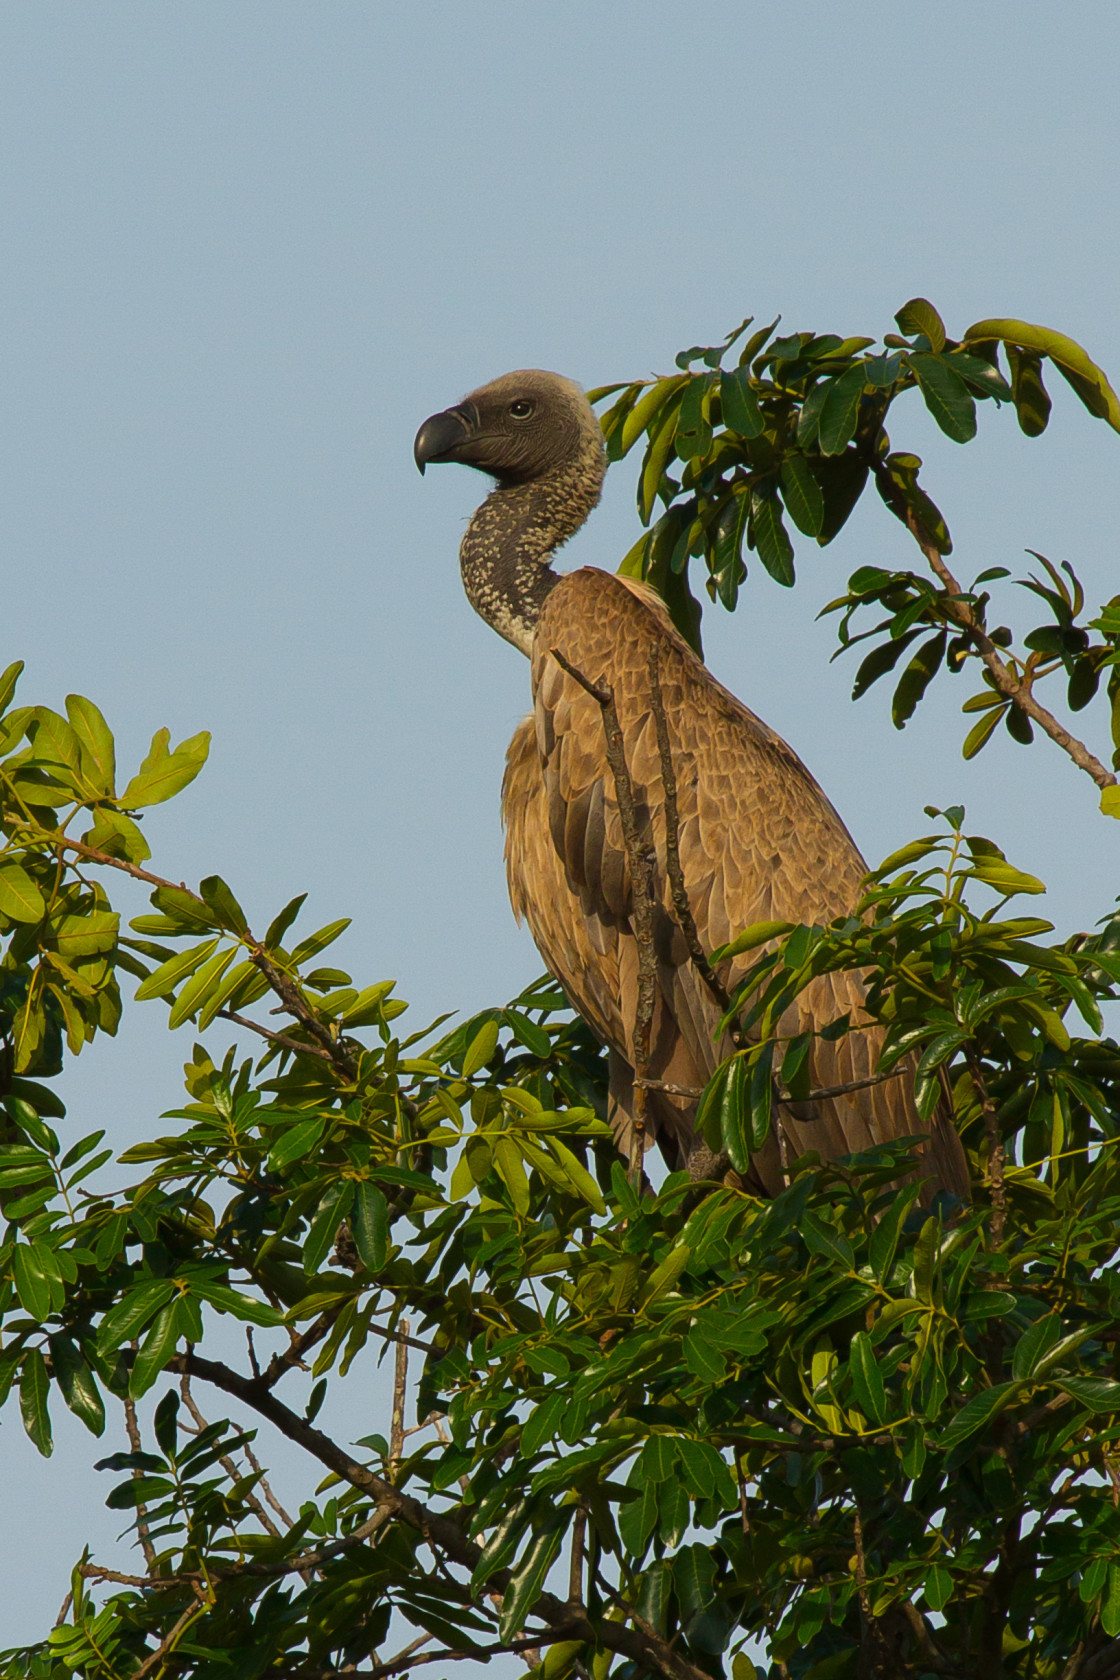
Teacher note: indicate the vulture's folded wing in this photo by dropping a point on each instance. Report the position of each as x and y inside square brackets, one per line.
[758, 841]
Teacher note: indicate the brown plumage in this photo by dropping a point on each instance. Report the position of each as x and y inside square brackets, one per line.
[758, 838]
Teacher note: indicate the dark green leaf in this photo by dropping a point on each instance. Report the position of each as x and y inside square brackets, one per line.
[919, 316]
[34, 1388]
[802, 495]
[947, 396]
[1031, 398]
[840, 412]
[917, 677]
[741, 412]
[867, 1379]
[771, 540]
[527, 1577]
[370, 1225]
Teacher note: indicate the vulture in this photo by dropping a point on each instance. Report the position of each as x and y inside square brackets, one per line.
[757, 839]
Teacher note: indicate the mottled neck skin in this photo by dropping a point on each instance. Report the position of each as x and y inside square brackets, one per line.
[504, 556]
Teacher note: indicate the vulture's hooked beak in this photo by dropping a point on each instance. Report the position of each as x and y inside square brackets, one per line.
[441, 435]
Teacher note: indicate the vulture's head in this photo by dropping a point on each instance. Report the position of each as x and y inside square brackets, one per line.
[521, 428]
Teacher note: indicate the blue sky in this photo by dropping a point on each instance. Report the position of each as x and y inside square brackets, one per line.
[249, 246]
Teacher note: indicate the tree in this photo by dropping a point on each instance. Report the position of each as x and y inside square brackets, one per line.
[636, 1429]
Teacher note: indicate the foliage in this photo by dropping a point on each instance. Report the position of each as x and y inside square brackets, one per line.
[647, 1432]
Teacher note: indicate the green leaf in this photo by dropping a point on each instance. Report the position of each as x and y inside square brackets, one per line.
[167, 976]
[802, 495]
[332, 1210]
[77, 1383]
[1100, 1394]
[95, 740]
[1031, 398]
[155, 1350]
[919, 316]
[840, 412]
[916, 678]
[939, 1587]
[867, 1379]
[34, 1388]
[31, 1283]
[227, 912]
[842, 479]
[20, 898]
[511, 1170]
[946, 395]
[1110, 1609]
[577, 1174]
[741, 412]
[975, 1413]
[694, 430]
[1035, 1344]
[132, 1311]
[759, 933]
[1065, 352]
[527, 1577]
[528, 1033]
[771, 540]
[480, 1049]
[197, 989]
[295, 1143]
[728, 1106]
[165, 773]
[370, 1226]
[762, 1096]
[8, 681]
[981, 732]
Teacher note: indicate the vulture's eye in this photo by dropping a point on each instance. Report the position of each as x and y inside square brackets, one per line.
[521, 409]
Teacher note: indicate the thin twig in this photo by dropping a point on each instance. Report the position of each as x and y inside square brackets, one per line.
[65, 1610]
[677, 889]
[400, 1387]
[302, 1564]
[962, 615]
[231, 1469]
[279, 982]
[134, 1441]
[167, 1643]
[781, 1096]
[442, 1533]
[280, 1040]
[640, 865]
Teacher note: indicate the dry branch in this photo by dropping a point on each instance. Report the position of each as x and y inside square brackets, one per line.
[677, 889]
[640, 865]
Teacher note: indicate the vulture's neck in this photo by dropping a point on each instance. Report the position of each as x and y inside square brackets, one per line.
[511, 538]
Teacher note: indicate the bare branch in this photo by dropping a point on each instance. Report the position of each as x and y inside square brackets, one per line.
[677, 889]
[167, 1643]
[442, 1533]
[400, 1387]
[134, 1441]
[962, 615]
[640, 865]
[231, 1469]
[782, 1097]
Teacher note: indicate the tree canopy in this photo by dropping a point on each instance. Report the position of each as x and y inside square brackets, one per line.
[636, 1428]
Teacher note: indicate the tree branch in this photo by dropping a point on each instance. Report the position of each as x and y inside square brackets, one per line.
[279, 982]
[640, 865]
[441, 1533]
[677, 889]
[962, 615]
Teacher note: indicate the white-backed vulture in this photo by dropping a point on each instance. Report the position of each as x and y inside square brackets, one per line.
[758, 839]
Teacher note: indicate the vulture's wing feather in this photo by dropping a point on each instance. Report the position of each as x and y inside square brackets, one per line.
[758, 841]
